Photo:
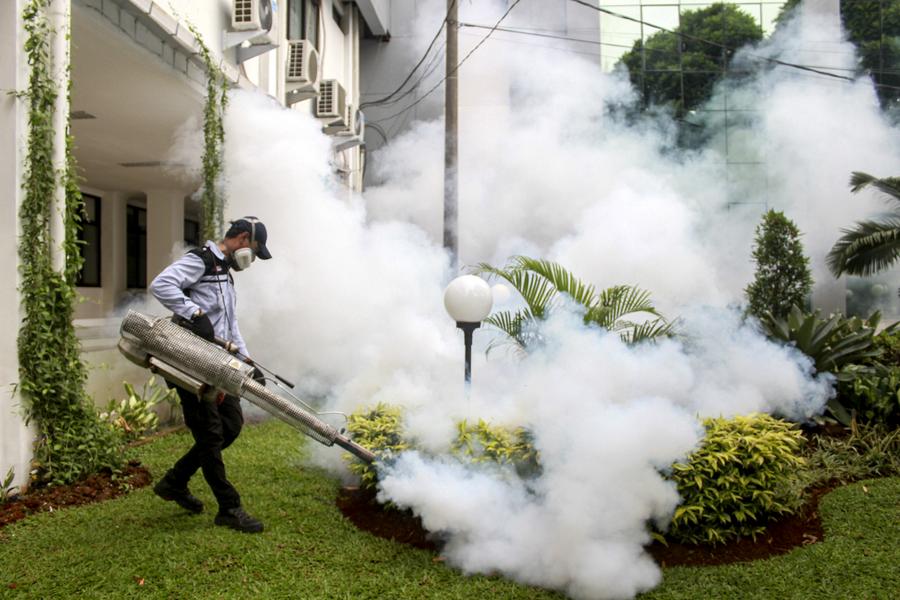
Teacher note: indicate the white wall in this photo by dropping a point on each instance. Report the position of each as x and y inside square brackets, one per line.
[15, 437]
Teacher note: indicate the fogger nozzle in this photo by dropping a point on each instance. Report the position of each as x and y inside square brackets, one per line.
[189, 361]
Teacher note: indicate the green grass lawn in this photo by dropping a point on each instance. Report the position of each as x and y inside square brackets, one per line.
[139, 546]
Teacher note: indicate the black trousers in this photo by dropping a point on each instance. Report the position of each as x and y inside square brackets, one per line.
[214, 427]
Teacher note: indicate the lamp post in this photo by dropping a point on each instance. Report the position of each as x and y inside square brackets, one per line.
[468, 301]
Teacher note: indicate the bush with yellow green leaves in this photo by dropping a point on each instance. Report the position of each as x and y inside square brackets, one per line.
[380, 429]
[743, 475]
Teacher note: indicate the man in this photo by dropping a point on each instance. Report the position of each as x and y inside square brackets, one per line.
[199, 289]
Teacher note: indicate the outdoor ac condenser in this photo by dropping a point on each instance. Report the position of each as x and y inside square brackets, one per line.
[256, 15]
[301, 71]
[332, 101]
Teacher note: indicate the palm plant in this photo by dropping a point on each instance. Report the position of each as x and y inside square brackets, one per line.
[542, 284]
[872, 245]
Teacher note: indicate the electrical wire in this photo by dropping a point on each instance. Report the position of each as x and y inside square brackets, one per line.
[454, 69]
[417, 65]
[723, 46]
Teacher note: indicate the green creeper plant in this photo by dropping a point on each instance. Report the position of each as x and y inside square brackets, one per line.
[782, 277]
[742, 476]
[213, 193]
[73, 442]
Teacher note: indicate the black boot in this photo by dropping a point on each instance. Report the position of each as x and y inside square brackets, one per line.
[181, 496]
[238, 520]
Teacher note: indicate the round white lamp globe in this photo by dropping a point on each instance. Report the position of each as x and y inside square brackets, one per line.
[468, 299]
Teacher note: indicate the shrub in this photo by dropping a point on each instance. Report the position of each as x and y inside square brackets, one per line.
[484, 442]
[379, 429]
[782, 277]
[869, 451]
[831, 343]
[7, 489]
[743, 474]
[871, 389]
[134, 416]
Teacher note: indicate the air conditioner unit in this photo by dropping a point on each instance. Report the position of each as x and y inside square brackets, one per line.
[332, 101]
[256, 16]
[301, 75]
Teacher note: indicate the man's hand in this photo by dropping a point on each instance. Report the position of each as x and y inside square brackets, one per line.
[202, 326]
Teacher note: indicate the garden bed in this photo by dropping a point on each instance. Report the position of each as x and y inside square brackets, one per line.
[803, 528]
[94, 488]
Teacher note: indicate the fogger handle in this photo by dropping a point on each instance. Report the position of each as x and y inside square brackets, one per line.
[233, 349]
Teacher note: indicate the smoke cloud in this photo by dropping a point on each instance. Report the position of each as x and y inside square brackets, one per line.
[351, 306]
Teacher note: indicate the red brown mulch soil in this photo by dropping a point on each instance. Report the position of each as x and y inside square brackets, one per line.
[801, 529]
[95, 488]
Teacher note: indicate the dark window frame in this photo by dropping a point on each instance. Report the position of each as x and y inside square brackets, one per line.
[298, 16]
[135, 257]
[97, 225]
[195, 241]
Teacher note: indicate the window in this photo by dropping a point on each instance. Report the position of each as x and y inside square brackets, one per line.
[191, 233]
[136, 247]
[89, 236]
[303, 20]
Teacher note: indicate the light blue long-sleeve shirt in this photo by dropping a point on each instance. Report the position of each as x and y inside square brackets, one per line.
[213, 294]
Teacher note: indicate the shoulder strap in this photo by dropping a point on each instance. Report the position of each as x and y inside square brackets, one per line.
[208, 258]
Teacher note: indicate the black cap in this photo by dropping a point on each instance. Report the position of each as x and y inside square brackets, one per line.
[257, 232]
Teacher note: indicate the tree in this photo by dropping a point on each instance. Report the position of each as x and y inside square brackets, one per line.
[874, 27]
[541, 283]
[782, 278]
[678, 68]
[872, 245]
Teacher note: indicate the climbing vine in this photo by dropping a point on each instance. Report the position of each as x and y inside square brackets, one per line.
[72, 441]
[213, 194]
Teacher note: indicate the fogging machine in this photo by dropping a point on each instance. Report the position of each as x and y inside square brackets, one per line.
[189, 361]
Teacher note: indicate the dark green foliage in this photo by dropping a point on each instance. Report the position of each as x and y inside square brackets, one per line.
[72, 442]
[874, 27]
[681, 70]
[832, 343]
[213, 194]
[869, 451]
[874, 245]
[542, 284]
[741, 477]
[871, 389]
[782, 277]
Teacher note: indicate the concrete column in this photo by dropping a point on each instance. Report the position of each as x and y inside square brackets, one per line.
[15, 437]
[112, 239]
[165, 229]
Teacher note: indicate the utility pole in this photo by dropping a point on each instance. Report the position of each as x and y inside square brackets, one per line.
[451, 145]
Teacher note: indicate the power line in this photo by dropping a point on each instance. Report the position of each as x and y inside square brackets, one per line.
[417, 65]
[718, 45]
[456, 68]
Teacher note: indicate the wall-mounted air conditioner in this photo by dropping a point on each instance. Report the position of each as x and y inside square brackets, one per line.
[331, 104]
[258, 16]
[301, 76]
[254, 21]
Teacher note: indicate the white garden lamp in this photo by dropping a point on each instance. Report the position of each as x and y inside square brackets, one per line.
[468, 300]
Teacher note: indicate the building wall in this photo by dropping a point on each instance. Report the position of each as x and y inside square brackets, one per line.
[15, 437]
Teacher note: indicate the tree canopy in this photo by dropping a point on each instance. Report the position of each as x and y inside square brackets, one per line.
[680, 68]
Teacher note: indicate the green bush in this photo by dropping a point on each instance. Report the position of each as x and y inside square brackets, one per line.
[133, 416]
[782, 278]
[869, 451]
[833, 344]
[484, 442]
[379, 429]
[742, 475]
[871, 389]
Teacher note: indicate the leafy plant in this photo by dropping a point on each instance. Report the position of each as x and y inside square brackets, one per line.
[7, 489]
[134, 415]
[73, 441]
[542, 284]
[379, 429]
[874, 245]
[871, 388]
[742, 475]
[782, 278]
[869, 451]
[832, 343]
[484, 442]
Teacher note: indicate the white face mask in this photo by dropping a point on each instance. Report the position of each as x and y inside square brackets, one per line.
[242, 258]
